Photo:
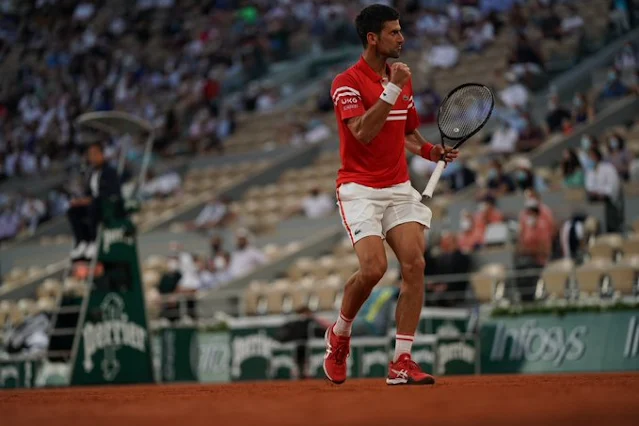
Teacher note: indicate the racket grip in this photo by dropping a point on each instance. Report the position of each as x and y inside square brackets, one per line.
[434, 178]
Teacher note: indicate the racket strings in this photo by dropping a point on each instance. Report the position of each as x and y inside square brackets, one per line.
[465, 110]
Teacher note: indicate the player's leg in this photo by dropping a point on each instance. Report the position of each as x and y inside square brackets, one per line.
[404, 222]
[372, 266]
[361, 209]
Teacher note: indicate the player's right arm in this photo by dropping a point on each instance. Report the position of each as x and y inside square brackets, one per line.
[366, 124]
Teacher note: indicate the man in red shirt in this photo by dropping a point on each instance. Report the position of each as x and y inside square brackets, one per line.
[377, 122]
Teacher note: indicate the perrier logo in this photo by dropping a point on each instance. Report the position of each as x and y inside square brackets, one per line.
[108, 336]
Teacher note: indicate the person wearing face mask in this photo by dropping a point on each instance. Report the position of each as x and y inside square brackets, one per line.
[316, 205]
[614, 88]
[487, 213]
[525, 176]
[504, 139]
[467, 238]
[532, 200]
[603, 185]
[555, 116]
[499, 183]
[619, 156]
[534, 247]
[245, 258]
[582, 111]
[585, 144]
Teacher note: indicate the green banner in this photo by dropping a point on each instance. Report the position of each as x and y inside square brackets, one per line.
[573, 342]
[19, 374]
[179, 354]
[114, 344]
[448, 322]
[253, 348]
[456, 356]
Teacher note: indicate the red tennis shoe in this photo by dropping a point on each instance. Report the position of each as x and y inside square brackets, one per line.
[405, 371]
[337, 350]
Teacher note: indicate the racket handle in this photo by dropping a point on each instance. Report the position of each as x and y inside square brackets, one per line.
[434, 178]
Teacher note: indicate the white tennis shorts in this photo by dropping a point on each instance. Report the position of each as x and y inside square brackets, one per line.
[369, 211]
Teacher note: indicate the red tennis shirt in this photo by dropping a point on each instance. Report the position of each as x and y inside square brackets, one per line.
[382, 162]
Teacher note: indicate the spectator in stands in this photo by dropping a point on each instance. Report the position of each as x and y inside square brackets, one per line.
[316, 204]
[573, 237]
[534, 247]
[620, 15]
[603, 184]
[246, 257]
[526, 178]
[84, 213]
[614, 87]
[449, 261]
[571, 170]
[499, 183]
[33, 211]
[166, 185]
[525, 58]
[587, 142]
[582, 110]
[444, 54]
[531, 136]
[486, 214]
[619, 156]
[216, 213]
[504, 139]
[556, 115]
[479, 35]
[550, 21]
[426, 103]
[515, 95]
[532, 200]
[468, 239]
[627, 59]
[571, 22]
[10, 223]
[459, 175]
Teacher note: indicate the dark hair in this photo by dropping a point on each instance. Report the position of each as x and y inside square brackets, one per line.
[597, 152]
[371, 20]
[572, 164]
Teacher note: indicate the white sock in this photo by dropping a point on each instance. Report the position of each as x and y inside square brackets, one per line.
[343, 326]
[403, 345]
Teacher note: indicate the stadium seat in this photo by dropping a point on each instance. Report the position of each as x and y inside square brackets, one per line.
[557, 276]
[590, 276]
[489, 283]
[630, 246]
[255, 299]
[607, 246]
[496, 234]
[623, 276]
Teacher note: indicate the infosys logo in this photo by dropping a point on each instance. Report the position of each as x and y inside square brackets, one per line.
[532, 343]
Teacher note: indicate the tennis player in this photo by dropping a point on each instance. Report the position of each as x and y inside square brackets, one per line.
[377, 121]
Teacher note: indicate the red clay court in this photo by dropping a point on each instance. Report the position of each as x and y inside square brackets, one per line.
[560, 399]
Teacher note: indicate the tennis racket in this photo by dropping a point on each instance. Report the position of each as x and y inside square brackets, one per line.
[462, 113]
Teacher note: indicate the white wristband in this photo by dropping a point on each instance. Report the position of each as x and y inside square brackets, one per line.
[391, 93]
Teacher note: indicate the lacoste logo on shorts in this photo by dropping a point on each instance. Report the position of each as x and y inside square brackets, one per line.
[358, 231]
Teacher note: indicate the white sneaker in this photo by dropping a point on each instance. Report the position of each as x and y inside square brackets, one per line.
[78, 251]
[91, 251]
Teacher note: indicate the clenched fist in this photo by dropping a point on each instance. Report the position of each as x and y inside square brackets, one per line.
[400, 74]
